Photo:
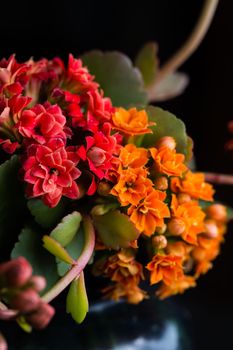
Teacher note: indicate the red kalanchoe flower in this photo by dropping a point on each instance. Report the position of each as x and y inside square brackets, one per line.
[13, 76]
[100, 107]
[99, 151]
[50, 171]
[42, 123]
[78, 77]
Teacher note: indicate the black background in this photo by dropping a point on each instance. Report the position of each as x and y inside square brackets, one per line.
[46, 29]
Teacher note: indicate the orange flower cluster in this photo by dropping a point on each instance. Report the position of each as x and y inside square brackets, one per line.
[126, 273]
[162, 197]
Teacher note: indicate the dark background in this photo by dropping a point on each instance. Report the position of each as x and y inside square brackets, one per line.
[46, 29]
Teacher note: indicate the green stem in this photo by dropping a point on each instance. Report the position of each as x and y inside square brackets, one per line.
[190, 45]
[80, 264]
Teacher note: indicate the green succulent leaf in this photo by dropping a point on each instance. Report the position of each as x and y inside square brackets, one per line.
[45, 216]
[77, 301]
[74, 249]
[115, 229]
[67, 229]
[12, 205]
[118, 78]
[147, 62]
[57, 249]
[167, 124]
[30, 246]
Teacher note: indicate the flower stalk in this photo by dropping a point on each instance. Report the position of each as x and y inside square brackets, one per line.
[79, 265]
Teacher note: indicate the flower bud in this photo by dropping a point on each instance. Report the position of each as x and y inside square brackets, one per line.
[211, 229]
[3, 344]
[38, 283]
[176, 227]
[217, 212]
[25, 301]
[103, 188]
[161, 230]
[199, 254]
[19, 273]
[177, 248]
[40, 318]
[16, 272]
[159, 242]
[161, 183]
[97, 155]
[183, 198]
[167, 141]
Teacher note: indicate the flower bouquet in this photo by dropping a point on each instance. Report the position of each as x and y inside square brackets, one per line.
[95, 181]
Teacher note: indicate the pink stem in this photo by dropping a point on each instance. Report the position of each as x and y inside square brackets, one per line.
[219, 178]
[79, 265]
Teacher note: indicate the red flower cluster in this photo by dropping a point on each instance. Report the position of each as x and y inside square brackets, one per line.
[61, 121]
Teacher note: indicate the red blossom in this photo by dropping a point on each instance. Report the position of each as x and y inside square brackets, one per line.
[50, 171]
[42, 123]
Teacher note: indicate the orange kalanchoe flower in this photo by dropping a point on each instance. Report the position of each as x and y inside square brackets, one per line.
[168, 162]
[192, 216]
[150, 212]
[133, 157]
[132, 186]
[131, 122]
[129, 291]
[178, 287]
[122, 266]
[193, 184]
[166, 268]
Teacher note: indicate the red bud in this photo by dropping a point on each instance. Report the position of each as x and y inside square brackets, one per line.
[3, 344]
[16, 272]
[40, 318]
[26, 301]
[38, 283]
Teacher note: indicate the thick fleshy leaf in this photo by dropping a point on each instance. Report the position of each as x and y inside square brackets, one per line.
[67, 229]
[30, 246]
[12, 205]
[170, 87]
[56, 249]
[45, 216]
[147, 62]
[74, 249]
[167, 124]
[77, 301]
[115, 229]
[118, 78]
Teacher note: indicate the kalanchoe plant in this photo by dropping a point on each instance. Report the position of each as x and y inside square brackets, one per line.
[94, 175]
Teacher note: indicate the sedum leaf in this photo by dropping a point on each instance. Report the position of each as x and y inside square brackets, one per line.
[147, 62]
[30, 246]
[56, 249]
[77, 301]
[74, 248]
[118, 78]
[67, 229]
[45, 216]
[167, 124]
[115, 229]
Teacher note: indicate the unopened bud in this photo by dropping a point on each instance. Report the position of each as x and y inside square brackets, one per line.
[3, 343]
[103, 188]
[161, 183]
[25, 301]
[217, 212]
[211, 229]
[100, 209]
[40, 318]
[161, 230]
[199, 254]
[159, 242]
[167, 141]
[97, 155]
[16, 272]
[176, 248]
[183, 198]
[176, 227]
[38, 283]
